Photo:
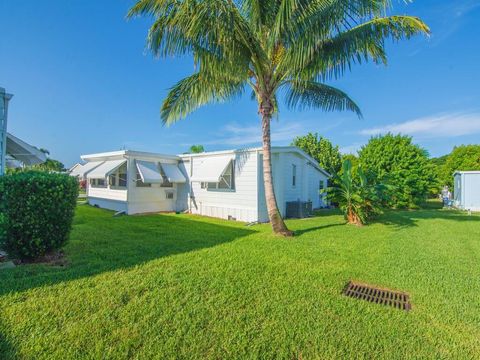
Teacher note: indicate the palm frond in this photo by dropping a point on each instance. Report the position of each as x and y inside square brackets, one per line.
[329, 57]
[310, 94]
[197, 90]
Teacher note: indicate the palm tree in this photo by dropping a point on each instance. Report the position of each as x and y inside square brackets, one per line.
[276, 47]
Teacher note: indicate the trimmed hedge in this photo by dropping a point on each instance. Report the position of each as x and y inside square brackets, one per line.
[36, 212]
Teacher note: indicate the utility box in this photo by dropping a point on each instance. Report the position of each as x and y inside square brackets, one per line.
[299, 209]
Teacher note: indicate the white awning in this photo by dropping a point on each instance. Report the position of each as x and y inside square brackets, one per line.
[210, 169]
[149, 172]
[21, 151]
[105, 169]
[173, 173]
[83, 170]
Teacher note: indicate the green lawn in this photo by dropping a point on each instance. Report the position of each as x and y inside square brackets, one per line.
[180, 286]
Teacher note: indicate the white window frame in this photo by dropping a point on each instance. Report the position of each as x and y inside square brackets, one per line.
[139, 182]
[94, 183]
[120, 173]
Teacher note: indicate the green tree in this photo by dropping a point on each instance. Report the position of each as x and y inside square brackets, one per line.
[322, 150]
[395, 160]
[50, 165]
[196, 149]
[270, 46]
[358, 198]
[462, 158]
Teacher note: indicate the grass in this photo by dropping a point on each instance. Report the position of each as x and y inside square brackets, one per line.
[180, 286]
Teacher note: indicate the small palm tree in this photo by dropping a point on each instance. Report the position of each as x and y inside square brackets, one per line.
[274, 47]
[357, 198]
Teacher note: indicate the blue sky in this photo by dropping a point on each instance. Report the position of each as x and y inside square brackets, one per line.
[83, 83]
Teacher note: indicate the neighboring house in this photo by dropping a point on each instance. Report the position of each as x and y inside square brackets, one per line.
[223, 184]
[13, 151]
[466, 192]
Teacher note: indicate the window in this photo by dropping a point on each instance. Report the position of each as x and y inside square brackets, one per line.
[165, 182]
[118, 179]
[227, 180]
[139, 182]
[169, 194]
[294, 175]
[321, 185]
[98, 183]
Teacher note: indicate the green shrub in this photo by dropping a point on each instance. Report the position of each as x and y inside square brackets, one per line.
[357, 197]
[36, 212]
[395, 160]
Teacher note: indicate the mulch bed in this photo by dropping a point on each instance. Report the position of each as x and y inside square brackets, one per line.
[56, 258]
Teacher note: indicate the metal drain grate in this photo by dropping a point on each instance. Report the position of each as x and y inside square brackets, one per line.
[396, 299]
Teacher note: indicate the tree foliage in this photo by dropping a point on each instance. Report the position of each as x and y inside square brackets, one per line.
[196, 149]
[270, 46]
[462, 158]
[322, 150]
[395, 160]
[357, 197]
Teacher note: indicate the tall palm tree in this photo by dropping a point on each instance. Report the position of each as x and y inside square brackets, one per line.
[275, 47]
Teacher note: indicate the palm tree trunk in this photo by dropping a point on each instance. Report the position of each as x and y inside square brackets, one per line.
[274, 215]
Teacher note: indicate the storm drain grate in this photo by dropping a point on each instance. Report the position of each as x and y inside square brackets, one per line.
[396, 299]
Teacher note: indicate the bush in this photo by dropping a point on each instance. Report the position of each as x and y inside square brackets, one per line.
[395, 160]
[36, 212]
[358, 198]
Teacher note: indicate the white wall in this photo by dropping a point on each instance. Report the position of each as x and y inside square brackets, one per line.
[240, 203]
[471, 191]
[108, 204]
[306, 186]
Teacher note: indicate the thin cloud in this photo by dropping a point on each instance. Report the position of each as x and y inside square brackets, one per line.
[443, 125]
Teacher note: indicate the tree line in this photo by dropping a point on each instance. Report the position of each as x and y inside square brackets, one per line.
[390, 171]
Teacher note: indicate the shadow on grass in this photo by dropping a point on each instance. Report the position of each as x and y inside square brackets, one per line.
[101, 243]
[409, 218]
[315, 228]
[7, 351]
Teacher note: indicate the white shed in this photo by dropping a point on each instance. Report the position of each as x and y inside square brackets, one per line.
[223, 184]
[466, 192]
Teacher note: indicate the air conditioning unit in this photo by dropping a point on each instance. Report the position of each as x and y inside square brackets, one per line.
[299, 209]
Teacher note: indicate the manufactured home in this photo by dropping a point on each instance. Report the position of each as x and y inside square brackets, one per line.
[223, 184]
[466, 191]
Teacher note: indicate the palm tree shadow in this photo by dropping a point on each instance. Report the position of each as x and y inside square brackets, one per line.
[315, 228]
[100, 243]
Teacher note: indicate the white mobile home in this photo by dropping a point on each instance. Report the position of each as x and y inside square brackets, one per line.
[466, 192]
[224, 184]
[132, 182]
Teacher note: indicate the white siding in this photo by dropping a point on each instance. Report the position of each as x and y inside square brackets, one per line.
[240, 203]
[467, 190]
[472, 192]
[306, 185]
[108, 204]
